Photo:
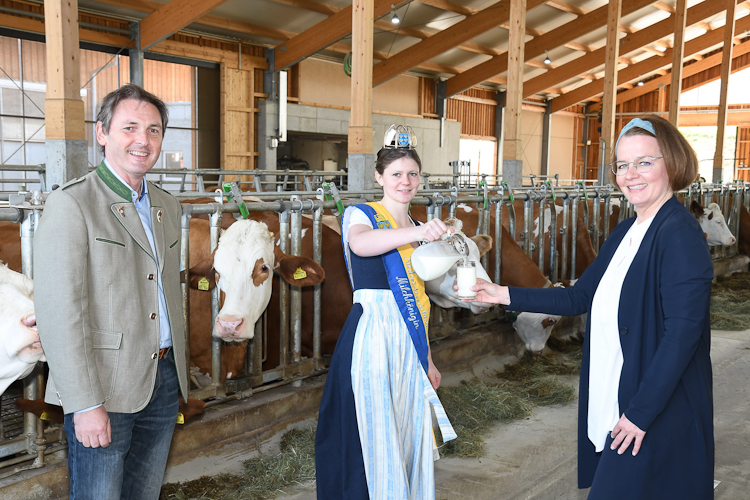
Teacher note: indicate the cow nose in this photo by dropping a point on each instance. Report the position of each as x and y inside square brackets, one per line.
[732, 240]
[230, 327]
[29, 321]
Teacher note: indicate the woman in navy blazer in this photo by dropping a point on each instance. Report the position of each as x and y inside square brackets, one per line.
[645, 418]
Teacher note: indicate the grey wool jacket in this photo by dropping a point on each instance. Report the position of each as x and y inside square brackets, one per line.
[96, 293]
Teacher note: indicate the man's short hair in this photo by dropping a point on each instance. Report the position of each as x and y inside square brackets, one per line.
[129, 91]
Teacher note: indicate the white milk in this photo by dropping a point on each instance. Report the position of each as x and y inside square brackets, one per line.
[429, 267]
[466, 277]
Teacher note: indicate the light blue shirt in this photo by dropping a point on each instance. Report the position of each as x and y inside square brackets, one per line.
[143, 205]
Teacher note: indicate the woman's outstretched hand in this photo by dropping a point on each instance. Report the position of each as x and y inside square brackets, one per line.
[624, 433]
[489, 292]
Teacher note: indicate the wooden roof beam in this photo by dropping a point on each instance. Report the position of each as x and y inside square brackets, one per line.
[647, 66]
[447, 39]
[556, 37]
[566, 7]
[424, 35]
[663, 6]
[653, 50]
[172, 17]
[320, 8]
[637, 40]
[210, 20]
[450, 7]
[320, 36]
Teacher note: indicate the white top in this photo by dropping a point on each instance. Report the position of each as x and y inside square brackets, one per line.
[606, 351]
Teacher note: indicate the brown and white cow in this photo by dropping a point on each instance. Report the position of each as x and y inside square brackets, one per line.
[20, 348]
[713, 224]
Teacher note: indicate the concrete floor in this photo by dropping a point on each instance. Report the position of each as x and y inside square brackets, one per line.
[535, 458]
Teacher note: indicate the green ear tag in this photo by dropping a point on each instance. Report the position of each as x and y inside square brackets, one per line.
[203, 284]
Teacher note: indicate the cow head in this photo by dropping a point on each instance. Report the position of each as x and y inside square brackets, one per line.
[21, 348]
[534, 329]
[440, 290]
[713, 224]
[242, 267]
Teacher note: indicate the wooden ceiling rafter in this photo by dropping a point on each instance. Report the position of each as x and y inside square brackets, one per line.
[172, 17]
[646, 67]
[321, 35]
[450, 7]
[460, 32]
[558, 36]
[566, 7]
[652, 35]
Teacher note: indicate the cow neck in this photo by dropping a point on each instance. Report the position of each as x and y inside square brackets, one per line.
[113, 182]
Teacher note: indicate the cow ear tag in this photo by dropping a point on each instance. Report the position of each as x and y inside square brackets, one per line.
[203, 284]
[299, 274]
[180, 418]
[44, 416]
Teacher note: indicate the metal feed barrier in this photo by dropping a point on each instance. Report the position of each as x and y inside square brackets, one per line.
[34, 441]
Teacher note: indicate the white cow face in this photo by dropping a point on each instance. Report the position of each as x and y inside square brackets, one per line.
[20, 348]
[244, 261]
[534, 329]
[440, 290]
[713, 224]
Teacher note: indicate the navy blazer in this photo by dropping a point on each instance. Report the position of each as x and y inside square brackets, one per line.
[666, 381]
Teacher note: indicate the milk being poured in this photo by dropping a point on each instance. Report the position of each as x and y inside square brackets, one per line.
[431, 267]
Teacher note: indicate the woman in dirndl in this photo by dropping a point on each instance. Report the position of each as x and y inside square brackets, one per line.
[375, 437]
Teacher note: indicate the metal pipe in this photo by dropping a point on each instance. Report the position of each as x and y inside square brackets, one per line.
[573, 237]
[317, 289]
[541, 227]
[527, 222]
[185, 268]
[564, 231]
[215, 219]
[553, 243]
[595, 229]
[30, 386]
[284, 224]
[296, 295]
[498, 239]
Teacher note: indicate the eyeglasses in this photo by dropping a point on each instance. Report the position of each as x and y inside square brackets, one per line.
[641, 165]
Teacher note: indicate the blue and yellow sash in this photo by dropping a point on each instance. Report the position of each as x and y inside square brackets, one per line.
[408, 288]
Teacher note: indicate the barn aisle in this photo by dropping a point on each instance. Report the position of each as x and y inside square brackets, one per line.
[535, 458]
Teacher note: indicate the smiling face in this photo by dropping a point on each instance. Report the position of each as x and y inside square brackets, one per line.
[133, 142]
[400, 180]
[648, 191]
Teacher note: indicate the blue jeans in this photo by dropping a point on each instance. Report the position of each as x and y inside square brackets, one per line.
[132, 466]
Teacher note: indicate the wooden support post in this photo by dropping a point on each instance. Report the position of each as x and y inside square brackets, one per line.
[360, 120]
[680, 15]
[610, 85]
[64, 111]
[512, 147]
[726, 67]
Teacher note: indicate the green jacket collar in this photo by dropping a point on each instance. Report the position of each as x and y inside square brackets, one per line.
[113, 182]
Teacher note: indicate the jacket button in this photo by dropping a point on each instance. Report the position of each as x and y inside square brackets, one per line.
[151, 277]
[623, 331]
[155, 355]
[153, 315]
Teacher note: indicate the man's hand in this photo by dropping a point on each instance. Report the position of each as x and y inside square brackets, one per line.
[92, 428]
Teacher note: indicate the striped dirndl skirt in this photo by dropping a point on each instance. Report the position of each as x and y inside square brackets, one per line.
[394, 402]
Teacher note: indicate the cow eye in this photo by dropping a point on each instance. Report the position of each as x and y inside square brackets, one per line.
[264, 268]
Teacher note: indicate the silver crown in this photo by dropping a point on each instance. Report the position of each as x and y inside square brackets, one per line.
[400, 137]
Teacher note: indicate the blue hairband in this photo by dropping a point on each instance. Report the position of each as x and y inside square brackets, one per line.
[635, 122]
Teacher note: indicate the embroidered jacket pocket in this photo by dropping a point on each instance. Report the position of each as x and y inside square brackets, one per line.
[111, 242]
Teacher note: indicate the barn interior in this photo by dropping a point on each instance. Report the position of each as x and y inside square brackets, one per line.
[281, 96]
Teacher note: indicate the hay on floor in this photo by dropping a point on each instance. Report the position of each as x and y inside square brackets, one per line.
[473, 408]
[730, 302]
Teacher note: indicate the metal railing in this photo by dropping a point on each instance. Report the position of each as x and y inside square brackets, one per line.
[496, 209]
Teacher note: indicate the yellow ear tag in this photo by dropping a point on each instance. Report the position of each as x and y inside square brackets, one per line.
[299, 274]
[44, 416]
[180, 418]
[203, 284]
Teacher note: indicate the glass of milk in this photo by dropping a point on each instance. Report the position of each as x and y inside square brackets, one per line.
[466, 277]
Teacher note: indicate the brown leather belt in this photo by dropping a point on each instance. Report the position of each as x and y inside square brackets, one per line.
[163, 352]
